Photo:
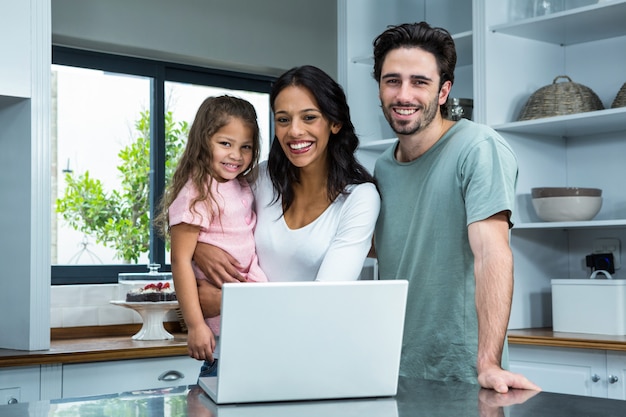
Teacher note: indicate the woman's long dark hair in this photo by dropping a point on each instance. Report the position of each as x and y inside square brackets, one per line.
[343, 167]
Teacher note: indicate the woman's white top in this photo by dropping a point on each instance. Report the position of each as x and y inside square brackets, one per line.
[332, 247]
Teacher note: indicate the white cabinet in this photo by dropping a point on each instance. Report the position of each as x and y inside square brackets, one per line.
[97, 378]
[49, 382]
[616, 374]
[589, 372]
[19, 384]
[25, 173]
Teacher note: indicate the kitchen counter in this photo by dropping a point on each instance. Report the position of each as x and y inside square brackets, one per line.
[96, 348]
[104, 348]
[547, 337]
[415, 397]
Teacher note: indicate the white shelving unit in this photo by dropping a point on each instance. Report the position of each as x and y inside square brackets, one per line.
[587, 149]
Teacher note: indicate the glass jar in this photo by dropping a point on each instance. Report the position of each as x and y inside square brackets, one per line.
[520, 9]
[546, 7]
[459, 108]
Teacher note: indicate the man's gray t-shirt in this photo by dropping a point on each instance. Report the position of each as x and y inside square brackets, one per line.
[421, 235]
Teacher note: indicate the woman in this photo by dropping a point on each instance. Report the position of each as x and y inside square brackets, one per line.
[316, 204]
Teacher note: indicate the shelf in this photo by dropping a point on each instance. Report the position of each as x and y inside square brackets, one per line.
[592, 224]
[464, 48]
[572, 125]
[580, 25]
[8, 101]
[365, 60]
[377, 145]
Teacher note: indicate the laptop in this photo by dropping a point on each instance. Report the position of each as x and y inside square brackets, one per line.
[290, 341]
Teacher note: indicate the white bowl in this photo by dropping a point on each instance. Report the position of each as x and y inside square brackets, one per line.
[567, 208]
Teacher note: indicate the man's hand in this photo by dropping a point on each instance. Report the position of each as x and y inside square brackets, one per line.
[501, 380]
[218, 265]
[210, 298]
[491, 403]
[492, 398]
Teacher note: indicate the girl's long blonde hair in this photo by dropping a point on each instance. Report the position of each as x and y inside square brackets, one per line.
[195, 162]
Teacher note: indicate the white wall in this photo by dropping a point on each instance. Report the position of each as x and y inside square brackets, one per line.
[263, 37]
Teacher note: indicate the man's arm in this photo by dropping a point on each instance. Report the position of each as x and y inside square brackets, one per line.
[493, 270]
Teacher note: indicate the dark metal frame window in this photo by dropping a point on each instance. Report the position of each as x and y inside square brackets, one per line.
[159, 72]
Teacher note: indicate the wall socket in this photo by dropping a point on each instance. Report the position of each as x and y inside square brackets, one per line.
[613, 246]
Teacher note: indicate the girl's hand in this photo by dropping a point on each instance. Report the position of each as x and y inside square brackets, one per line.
[201, 343]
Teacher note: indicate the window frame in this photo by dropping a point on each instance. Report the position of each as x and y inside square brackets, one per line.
[160, 72]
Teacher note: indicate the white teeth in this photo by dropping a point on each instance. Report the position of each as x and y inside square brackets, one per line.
[405, 112]
[299, 145]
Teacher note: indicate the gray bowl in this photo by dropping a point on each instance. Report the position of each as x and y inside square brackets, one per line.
[542, 192]
[554, 204]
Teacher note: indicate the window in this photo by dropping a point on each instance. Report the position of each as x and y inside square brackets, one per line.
[118, 126]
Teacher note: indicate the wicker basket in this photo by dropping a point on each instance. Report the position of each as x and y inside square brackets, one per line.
[559, 99]
[620, 98]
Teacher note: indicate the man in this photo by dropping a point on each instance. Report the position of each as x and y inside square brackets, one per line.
[447, 192]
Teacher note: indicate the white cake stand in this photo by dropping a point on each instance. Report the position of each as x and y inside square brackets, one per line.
[152, 314]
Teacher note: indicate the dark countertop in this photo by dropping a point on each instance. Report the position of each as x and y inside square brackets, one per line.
[415, 398]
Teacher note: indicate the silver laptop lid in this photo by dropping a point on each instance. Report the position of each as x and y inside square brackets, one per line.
[310, 340]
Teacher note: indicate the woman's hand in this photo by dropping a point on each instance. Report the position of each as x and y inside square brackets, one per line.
[216, 264]
[210, 298]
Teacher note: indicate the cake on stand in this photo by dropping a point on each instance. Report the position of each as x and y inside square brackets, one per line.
[152, 314]
[149, 307]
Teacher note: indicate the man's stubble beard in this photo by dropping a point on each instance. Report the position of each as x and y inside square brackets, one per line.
[408, 128]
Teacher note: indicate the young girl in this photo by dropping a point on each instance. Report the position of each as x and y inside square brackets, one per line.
[209, 200]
